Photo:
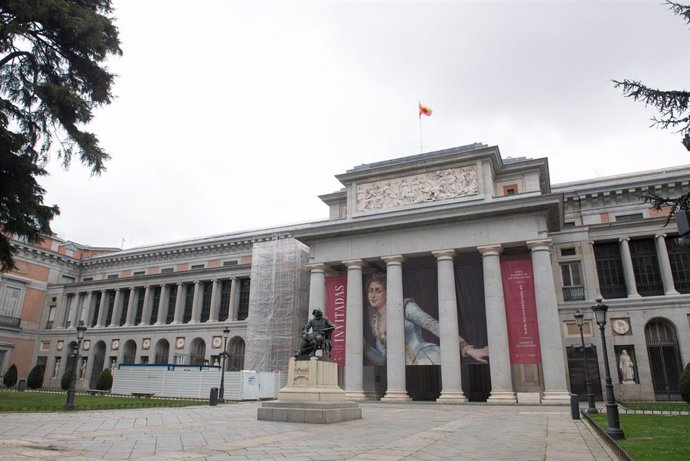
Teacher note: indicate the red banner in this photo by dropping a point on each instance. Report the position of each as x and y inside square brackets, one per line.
[336, 301]
[521, 311]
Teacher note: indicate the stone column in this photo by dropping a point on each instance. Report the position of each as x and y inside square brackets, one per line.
[451, 382]
[146, 308]
[234, 304]
[395, 330]
[665, 265]
[132, 307]
[496, 326]
[628, 271]
[215, 301]
[317, 287]
[102, 309]
[163, 305]
[354, 332]
[196, 302]
[552, 350]
[117, 309]
[179, 303]
[87, 313]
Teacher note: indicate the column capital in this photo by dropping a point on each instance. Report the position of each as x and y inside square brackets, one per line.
[624, 239]
[196, 282]
[490, 250]
[443, 254]
[146, 287]
[660, 236]
[539, 245]
[316, 267]
[393, 260]
[179, 284]
[354, 263]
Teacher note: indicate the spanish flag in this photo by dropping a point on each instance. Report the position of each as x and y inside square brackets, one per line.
[424, 110]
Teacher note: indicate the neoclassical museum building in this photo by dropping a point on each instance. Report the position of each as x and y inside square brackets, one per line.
[451, 276]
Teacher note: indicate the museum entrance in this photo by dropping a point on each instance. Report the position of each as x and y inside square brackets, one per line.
[576, 372]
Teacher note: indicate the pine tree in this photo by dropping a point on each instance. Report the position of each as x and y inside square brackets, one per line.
[52, 76]
[674, 113]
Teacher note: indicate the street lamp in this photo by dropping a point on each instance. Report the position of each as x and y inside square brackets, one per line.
[81, 330]
[221, 393]
[614, 429]
[580, 319]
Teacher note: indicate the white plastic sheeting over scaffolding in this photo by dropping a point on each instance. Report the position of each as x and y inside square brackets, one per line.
[278, 303]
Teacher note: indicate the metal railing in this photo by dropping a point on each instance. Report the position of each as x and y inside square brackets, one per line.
[612, 444]
[573, 293]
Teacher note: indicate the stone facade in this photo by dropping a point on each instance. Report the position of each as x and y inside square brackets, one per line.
[441, 229]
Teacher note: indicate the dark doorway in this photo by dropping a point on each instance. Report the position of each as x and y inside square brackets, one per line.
[98, 360]
[576, 371]
[423, 381]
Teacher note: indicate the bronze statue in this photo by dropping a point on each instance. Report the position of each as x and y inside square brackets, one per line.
[319, 337]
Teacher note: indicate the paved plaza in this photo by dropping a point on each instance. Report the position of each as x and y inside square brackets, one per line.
[231, 432]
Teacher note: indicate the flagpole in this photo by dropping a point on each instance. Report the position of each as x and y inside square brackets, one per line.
[420, 128]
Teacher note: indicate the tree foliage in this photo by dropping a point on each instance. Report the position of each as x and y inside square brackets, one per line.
[10, 378]
[66, 378]
[35, 378]
[673, 107]
[105, 380]
[52, 76]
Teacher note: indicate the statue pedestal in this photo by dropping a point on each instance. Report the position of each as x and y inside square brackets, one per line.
[312, 395]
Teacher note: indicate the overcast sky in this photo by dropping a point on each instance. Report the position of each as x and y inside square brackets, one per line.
[235, 115]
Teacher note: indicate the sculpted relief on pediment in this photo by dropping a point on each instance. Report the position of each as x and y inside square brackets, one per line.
[409, 190]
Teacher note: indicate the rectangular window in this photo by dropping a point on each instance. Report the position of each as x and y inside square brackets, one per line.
[113, 276]
[67, 279]
[610, 270]
[646, 267]
[167, 270]
[206, 301]
[197, 267]
[10, 302]
[229, 263]
[188, 302]
[88, 279]
[243, 311]
[573, 289]
[629, 217]
[568, 252]
[224, 300]
[679, 254]
[137, 273]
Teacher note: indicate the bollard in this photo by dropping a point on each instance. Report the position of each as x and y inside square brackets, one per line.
[574, 406]
[213, 397]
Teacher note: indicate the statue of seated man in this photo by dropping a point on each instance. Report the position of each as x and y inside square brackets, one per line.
[319, 337]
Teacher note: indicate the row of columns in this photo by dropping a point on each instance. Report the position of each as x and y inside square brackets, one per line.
[664, 266]
[553, 363]
[72, 308]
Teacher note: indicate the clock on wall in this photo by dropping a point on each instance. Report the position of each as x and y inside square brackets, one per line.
[621, 326]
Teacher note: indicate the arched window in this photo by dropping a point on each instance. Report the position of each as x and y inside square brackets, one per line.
[129, 352]
[236, 354]
[162, 351]
[664, 358]
[197, 354]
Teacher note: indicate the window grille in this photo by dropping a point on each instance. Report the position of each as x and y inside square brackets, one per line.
[646, 267]
[610, 270]
[679, 255]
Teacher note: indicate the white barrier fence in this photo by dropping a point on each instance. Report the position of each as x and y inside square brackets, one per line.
[195, 382]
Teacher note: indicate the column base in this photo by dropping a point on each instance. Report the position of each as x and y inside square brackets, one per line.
[555, 398]
[453, 397]
[506, 397]
[396, 396]
[355, 395]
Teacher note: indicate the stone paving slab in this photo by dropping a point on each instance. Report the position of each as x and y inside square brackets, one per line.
[406, 431]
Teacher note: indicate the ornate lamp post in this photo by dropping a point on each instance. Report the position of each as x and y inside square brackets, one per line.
[580, 319]
[614, 429]
[81, 330]
[224, 354]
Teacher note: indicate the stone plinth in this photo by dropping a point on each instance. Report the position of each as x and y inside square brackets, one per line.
[312, 395]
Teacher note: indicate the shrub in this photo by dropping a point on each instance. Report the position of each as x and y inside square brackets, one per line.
[105, 380]
[35, 378]
[685, 383]
[66, 378]
[10, 378]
